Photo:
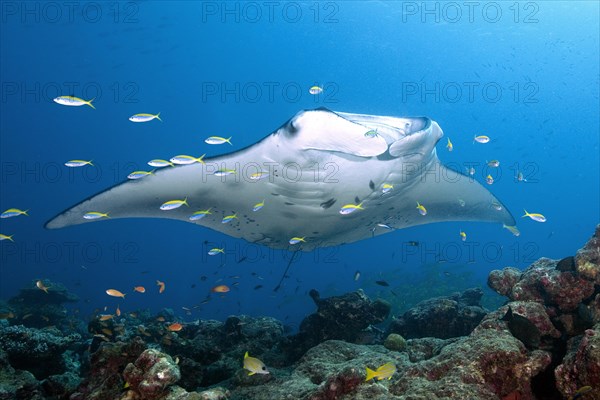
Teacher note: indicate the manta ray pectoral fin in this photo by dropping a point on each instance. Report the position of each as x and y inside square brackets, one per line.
[449, 195]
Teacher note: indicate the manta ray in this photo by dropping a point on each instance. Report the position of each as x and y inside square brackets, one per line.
[323, 178]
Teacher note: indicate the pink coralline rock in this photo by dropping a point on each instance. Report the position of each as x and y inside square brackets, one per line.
[544, 283]
[151, 374]
[502, 281]
[581, 365]
[587, 259]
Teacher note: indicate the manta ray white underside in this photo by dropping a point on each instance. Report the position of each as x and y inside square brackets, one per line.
[312, 166]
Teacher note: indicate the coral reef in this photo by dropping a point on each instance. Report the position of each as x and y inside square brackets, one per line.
[39, 351]
[544, 343]
[441, 317]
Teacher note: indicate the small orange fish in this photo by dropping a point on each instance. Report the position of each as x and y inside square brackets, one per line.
[220, 289]
[115, 293]
[140, 289]
[160, 319]
[106, 317]
[175, 327]
[107, 332]
[161, 286]
[41, 286]
[118, 311]
[7, 315]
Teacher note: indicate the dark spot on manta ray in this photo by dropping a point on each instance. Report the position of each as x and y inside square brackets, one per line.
[274, 194]
[287, 203]
[357, 200]
[372, 185]
[290, 215]
[315, 232]
[328, 203]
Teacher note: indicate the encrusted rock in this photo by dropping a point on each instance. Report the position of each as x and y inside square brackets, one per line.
[581, 365]
[544, 283]
[394, 342]
[441, 317]
[587, 258]
[343, 317]
[151, 374]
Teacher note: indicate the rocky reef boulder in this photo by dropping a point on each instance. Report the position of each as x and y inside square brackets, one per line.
[348, 317]
[581, 365]
[441, 317]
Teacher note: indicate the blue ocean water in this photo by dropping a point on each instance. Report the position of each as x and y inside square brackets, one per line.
[524, 73]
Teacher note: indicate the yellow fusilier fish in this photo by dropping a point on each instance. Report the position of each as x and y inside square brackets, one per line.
[217, 140]
[13, 212]
[95, 215]
[258, 206]
[139, 174]
[115, 293]
[259, 175]
[493, 163]
[371, 134]
[78, 163]
[350, 208]
[296, 240]
[386, 188]
[158, 163]
[73, 101]
[581, 392]
[463, 236]
[489, 179]
[512, 229]
[534, 216]
[173, 204]
[449, 146]
[385, 371]
[422, 209]
[315, 90]
[199, 214]
[143, 117]
[6, 237]
[185, 160]
[254, 365]
[215, 251]
[224, 172]
[228, 218]
[481, 139]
